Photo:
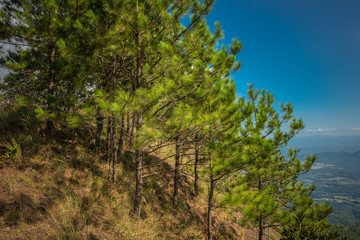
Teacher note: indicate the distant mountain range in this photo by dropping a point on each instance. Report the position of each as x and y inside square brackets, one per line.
[348, 160]
[325, 143]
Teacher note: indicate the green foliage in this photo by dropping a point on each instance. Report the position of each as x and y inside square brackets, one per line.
[307, 219]
[349, 232]
[13, 152]
[265, 185]
[48, 53]
[136, 64]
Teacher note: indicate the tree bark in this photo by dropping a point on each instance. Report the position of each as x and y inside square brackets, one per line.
[139, 177]
[121, 137]
[131, 140]
[50, 126]
[139, 183]
[260, 228]
[99, 128]
[127, 124]
[210, 206]
[176, 171]
[113, 150]
[138, 117]
[196, 181]
[108, 155]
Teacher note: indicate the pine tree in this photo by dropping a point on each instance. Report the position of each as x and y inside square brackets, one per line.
[221, 158]
[133, 67]
[221, 122]
[307, 220]
[262, 188]
[161, 74]
[151, 32]
[38, 31]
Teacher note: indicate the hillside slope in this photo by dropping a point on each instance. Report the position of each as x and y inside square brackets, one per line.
[59, 190]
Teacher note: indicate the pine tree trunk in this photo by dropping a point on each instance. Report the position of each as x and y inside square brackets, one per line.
[196, 181]
[139, 184]
[132, 131]
[260, 228]
[210, 206]
[108, 155]
[127, 124]
[121, 137]
[139, 176]
[176, 171]
[50, 127]
[138, 152]
[113, 150]
[99, 128]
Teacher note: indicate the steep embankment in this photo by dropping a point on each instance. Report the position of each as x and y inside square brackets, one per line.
[55, 190]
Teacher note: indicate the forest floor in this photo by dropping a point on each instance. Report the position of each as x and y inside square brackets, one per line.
[59, 189]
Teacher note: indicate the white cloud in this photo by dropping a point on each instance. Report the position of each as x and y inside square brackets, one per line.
[355, 129]
[320, 130]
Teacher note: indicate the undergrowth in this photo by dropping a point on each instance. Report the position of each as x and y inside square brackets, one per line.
[57, 188]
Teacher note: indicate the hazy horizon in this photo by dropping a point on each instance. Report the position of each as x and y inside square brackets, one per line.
[312, 144]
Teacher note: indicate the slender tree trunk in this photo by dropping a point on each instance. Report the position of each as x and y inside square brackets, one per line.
[50, 127]
[132, 130]
[108, 145]
[139, 177]
[121, 137]
[196, 181]
[114, 152]
[127, 124]
[210, 206]
[138, 152]
[139, 183]
[176, 171]
[99, 128]
[260, 228]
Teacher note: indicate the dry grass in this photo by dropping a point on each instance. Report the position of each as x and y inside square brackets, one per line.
[61, 191]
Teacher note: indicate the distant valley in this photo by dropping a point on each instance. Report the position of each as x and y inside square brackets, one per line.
[337, 177]
[336, 173]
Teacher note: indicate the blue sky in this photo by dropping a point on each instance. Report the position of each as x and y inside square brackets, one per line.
[306, 52]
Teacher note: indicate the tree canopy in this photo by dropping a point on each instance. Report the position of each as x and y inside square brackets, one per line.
[155, 76]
